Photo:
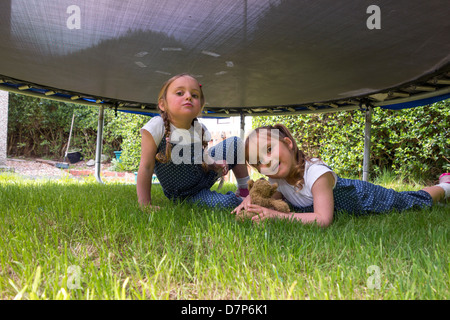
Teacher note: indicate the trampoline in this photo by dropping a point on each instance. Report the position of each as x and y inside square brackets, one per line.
[253, 57]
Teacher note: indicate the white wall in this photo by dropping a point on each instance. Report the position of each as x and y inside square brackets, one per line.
[4, 97]
[231, 127]
[232, 124]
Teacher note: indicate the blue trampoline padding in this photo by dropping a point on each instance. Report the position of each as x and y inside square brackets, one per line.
[140, 112]
[417, 103]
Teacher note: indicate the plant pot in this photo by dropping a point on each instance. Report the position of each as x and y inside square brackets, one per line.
[74, 157]
[117, 154]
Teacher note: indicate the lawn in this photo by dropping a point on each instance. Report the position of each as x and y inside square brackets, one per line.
[68, 239]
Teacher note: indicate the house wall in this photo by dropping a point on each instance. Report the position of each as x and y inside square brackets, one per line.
[223, 128]
[4, 97]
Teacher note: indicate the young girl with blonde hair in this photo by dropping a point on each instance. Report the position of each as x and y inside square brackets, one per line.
[174, 147]
[314, 190]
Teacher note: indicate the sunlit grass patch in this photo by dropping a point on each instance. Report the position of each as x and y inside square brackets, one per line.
[68, 239]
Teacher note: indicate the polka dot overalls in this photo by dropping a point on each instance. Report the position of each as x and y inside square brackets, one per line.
[189, 182]
[361, 197]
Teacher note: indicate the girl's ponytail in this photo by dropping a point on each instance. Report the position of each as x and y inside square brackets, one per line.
[160, 157]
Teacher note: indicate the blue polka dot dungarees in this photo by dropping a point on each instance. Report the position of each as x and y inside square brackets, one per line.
[189, 182]
[361, 197]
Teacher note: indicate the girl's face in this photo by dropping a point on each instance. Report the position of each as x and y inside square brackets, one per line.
[275, 157]
[183, 99]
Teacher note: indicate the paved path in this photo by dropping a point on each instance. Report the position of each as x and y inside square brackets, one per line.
[39, 168]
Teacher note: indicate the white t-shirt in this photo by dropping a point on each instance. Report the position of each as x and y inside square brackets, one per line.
[179, 136]
[304, 198]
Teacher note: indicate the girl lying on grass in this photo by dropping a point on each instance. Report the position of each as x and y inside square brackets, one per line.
[314, 190]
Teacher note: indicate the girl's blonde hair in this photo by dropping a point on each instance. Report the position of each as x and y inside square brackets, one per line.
[299, 155]
[165, 157]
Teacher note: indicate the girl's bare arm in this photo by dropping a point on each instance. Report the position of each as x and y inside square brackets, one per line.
[146, 168]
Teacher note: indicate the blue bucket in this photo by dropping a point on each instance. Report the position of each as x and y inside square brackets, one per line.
[154, 178]
[117, 154]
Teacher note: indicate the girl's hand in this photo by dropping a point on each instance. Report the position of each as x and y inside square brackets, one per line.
[244, 205]
[263, 213]
[149, 208]
[219, 167]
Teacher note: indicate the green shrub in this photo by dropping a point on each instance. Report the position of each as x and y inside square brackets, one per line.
[40, 128]
[37, 127]
[130, 125]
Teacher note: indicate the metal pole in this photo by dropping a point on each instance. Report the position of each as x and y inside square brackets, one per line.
[98, 151]
[367, 135]
[70, 136]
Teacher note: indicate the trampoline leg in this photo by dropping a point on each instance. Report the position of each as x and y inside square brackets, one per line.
[98, 151]
[242, 132]
[367, 134]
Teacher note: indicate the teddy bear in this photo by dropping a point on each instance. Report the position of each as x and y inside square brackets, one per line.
[261, 192]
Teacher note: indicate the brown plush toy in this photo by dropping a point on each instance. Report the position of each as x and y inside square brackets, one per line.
[261, 192]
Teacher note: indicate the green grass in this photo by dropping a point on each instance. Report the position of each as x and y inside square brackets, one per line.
[66, 239]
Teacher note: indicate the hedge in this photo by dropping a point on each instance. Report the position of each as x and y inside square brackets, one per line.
[40, 128]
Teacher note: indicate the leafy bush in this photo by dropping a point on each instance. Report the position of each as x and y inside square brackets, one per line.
[40, 128]
[128, 126]
[121, 131]
[37, 127]
[410, 142]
